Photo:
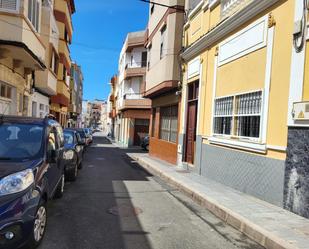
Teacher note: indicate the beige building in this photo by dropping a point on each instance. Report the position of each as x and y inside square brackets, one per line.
[164, 43]
[133, 109]
[22, 52]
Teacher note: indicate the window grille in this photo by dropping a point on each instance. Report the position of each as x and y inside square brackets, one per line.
[9, 4]
[169, 123]
[239, 115]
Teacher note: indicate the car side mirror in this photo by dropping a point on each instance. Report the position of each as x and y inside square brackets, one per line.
[51, 156]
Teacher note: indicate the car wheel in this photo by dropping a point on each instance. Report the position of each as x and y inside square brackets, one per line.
[147, 147]
[39, 226]
[60, 188]
[72, 174]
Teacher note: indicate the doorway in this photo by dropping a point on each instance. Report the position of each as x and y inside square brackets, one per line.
[141, 130]
[193, 93]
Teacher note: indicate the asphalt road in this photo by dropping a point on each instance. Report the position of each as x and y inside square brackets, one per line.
[114, 204]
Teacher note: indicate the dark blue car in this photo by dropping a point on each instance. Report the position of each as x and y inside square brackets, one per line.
[31, 173]
[73, 155]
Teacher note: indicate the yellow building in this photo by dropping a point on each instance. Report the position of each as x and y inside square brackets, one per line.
[243, 72]
[63, 11]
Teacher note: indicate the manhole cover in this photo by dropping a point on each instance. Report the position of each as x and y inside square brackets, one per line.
[125, 211]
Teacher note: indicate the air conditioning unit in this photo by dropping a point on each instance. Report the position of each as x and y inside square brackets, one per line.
[301, 111]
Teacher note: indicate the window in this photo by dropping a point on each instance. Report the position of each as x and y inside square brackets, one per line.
[64, 76]
[20, 103]
[26, 105]
[163, 42]
[5, 91]
[149, 56]
[239, 116]
[169, 123]
[54, 61]
[8, 4]
[144, 59]
[153, 125]
[34, 109]
[34, 13]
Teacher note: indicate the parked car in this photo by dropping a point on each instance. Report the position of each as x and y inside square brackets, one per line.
[74, 147]
[145, 143]
[83, 136]
[31, 173]
[88, 136]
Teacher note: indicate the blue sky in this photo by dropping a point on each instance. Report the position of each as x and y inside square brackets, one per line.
[100, 28]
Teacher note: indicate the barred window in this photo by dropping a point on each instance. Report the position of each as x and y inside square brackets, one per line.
[169, 123]
[239, 115]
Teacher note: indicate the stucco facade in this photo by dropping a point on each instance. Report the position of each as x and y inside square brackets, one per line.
[242, 58]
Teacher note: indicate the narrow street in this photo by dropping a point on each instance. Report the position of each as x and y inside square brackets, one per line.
[114, 204]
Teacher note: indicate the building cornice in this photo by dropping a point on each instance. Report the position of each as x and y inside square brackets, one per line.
[227, 26]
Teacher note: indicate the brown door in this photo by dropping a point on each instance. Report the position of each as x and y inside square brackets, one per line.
[141, 129]
[193, 90]
[191, 131]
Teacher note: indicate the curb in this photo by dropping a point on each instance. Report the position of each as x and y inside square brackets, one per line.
[255, 232]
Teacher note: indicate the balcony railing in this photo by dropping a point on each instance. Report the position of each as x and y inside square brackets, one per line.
[133, 96]
[229, 7]
[136, 64]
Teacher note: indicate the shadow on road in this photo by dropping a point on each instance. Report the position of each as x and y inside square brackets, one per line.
[96, 211]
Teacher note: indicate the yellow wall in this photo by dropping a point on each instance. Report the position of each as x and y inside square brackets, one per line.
[247, 73]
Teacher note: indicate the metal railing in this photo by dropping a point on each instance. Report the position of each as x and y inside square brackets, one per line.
[133, 96]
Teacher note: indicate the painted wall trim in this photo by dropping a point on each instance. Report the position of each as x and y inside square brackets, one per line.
[194, 68]
[227, 26]
[253, 147]
[297, 71]
[277, 148]
[248, 40]
[269, 57]
[214, 85]
[199, 111]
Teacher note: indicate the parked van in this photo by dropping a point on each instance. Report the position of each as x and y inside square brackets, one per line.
[31, 173]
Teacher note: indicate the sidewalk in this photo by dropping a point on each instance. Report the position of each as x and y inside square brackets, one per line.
[268, 225]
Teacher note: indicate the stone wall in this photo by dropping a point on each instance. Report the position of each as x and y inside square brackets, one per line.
[296, 191]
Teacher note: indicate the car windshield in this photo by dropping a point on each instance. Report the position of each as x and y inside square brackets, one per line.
[20, 141]
[81, 133]
[68, 137]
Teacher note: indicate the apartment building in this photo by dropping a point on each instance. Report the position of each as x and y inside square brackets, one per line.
[86, 111]
[244, 115]
[111, 107]
[22, 53]
[133, 110]
[63, 10]
[164, 44]
[76, 96]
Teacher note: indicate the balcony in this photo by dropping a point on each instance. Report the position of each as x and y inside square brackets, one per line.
[24, 45]
[72, 108]
[46, 81]
[112, 114]
[135, 70]
[134, 101]
[229, 7]
[60, 99]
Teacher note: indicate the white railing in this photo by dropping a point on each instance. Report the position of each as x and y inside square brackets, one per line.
[9, 5]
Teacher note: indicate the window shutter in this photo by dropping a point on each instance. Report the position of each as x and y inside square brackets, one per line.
[8, 4]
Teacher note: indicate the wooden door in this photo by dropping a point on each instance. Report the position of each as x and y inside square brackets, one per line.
[191, 132]
[193, 90]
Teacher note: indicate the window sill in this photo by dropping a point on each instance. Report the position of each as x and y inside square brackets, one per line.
[237, 144]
